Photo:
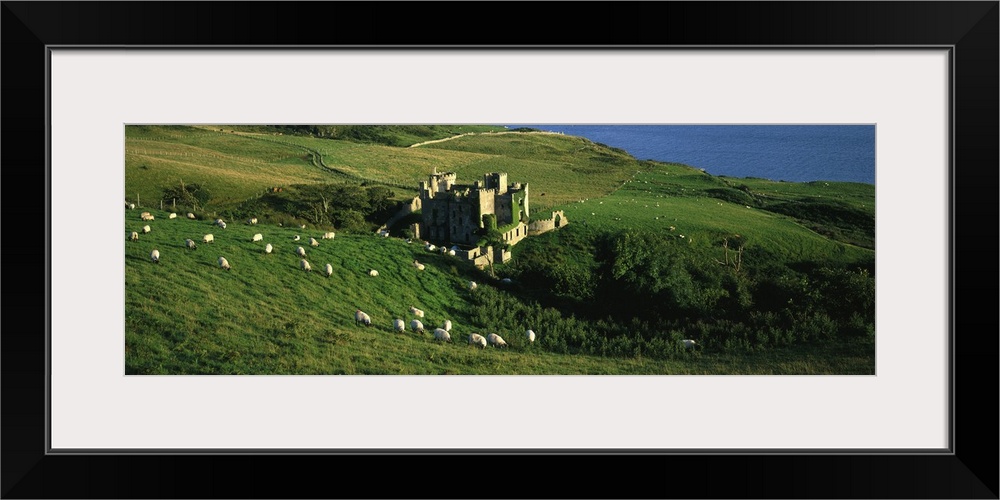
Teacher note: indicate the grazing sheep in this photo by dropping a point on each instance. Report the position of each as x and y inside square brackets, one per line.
[301, 252]
[477, 339]
[258, 237]
[304, 264]
[208, 239]
[496, 340]
[220, 222]
[313, 242]
[418, 265]
[253, 221]
[223, 263]
[328, 236]
[155, 255]
[444, 250]
[442, 335]
[131, 206]
[473, 285]
[399, 325]
[329, 270]
[296, 238]
[172, 216]
[190, 244]
[531, 336]
[688, 343]
[222, 225]
[360, 317]
[146, 216]
[432, 248]
[447, 325]
[134, 236]
[372, 272]
[146, 229]
[451, 252]
[268, 248]
[303, 226]
[190, 215]
[416, 312]
[417, 326]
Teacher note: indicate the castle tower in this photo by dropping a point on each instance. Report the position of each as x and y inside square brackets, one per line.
[496, 180]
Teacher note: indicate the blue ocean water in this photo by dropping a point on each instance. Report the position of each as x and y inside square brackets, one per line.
[797, 153]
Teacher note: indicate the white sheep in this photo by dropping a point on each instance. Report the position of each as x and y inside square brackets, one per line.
[268, 248]
[131, 206]
[313, 242]
[301, 252]
[372, 272]
[329, 270]
[190, 243]
[418, 265]
[146, 229]
[253, 221]
[222, 225]
[208, 239]
[399, 325]
[304, 264]
[477, 339]
[473, 285]
[258, 237]
[442, 335]
[431, 248]
[134, 236]
[155, 255]
[447, 325]
[190, 215]
[496, 340]
[146, 216]
[688, 343]
[360, 317]
[296, 238]
[328, 236]
[416, 312]
[451, 252]
[172, 216]
[417, 326]
[223, 263]
[531, 336]
[220, 222]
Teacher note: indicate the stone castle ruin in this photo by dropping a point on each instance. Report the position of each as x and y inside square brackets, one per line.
[455, 214]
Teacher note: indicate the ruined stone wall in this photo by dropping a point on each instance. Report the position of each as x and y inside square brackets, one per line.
[518, 233]
[462, 220]
[557, 220]
[502, 209]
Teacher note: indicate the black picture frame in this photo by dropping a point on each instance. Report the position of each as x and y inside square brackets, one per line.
[969, 471]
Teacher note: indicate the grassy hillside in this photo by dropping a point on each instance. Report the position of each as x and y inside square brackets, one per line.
[186, 315]
[800, 301]
[237, 165]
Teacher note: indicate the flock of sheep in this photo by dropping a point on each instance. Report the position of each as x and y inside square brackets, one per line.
[442, 334]
[210, 238]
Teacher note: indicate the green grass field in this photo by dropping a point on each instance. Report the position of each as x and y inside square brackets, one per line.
[266, 316]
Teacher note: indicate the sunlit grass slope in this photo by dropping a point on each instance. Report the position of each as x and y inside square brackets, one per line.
[672, 200]
[186, 315]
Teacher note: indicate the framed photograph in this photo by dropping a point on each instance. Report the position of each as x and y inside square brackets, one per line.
[446, 192]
